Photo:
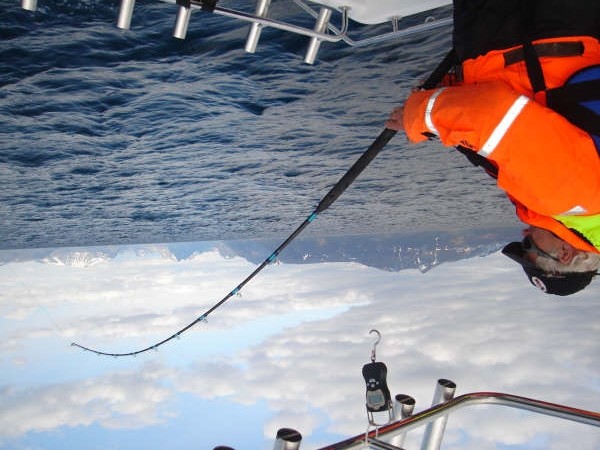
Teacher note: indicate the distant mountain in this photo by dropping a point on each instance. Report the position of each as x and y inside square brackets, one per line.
[77, 258]
[391, 252]
[89, 256]
[65, 256]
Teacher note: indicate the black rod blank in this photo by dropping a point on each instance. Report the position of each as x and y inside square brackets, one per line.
[336, 191]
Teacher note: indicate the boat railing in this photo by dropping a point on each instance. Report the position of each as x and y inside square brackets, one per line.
[323, 30]
[391, 436]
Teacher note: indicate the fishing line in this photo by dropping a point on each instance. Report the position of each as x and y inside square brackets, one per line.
[338, 189]
[325, 203]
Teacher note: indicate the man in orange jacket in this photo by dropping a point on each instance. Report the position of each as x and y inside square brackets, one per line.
[511, 52]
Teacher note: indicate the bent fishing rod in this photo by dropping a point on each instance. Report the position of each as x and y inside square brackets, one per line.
[325, 203]
[336, 191]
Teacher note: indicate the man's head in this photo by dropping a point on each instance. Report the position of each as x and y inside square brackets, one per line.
[552, 264]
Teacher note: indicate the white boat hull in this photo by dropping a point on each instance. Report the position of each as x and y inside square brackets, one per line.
[379, 11]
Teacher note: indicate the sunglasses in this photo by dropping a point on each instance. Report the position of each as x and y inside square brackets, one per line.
[527, 244]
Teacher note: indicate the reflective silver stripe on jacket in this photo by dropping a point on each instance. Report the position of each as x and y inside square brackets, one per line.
[501, 129]
[575, 211]
[429, 108]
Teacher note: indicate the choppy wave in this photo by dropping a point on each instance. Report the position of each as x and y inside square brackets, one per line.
[112, 136]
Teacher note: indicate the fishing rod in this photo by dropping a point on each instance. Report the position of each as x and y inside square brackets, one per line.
[325, 203]
[338, 189]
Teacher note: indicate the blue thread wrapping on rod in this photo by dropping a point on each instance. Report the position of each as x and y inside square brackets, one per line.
[235, 291]
[325, 203]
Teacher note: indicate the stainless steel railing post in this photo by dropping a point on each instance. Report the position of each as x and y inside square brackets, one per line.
[404, 406]
[287, 439]
[262, 7]
[125, 13]
[182, 21]
[29, 5]
[315, 42]
[434, 432]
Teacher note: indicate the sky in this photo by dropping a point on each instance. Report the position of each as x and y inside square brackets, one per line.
[288, 352]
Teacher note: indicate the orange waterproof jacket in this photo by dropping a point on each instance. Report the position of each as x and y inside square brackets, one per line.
[547, 166]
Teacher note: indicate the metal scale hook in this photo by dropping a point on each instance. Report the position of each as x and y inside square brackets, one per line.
[378, 398]
[373, 352]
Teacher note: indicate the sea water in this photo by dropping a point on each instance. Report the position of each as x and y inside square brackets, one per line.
[111, 136]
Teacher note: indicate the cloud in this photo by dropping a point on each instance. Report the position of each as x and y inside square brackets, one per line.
[477, 327]
[111, 303]
[128, 400]
[475, 321]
